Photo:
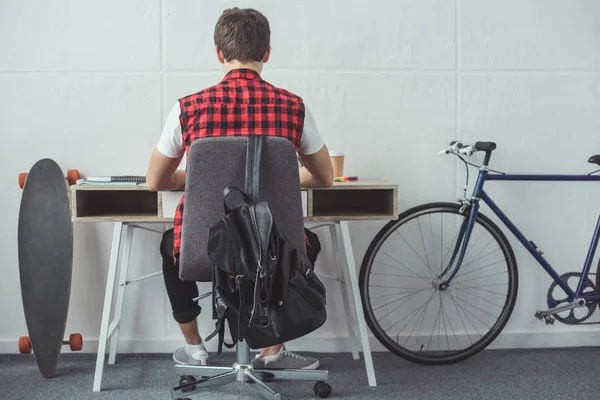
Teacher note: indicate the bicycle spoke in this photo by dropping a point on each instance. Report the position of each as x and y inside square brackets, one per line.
[461, 320]
[474, 244]
[441, 243]
[467, 311]
[478, 269]
[389, 295]
[483, 298]
[424, 249]
[415, 311]
[484, 290]
[444, 320]
[385, 316]
[480, 286]
[422, 318]
[485, 247]
[477, 308]
[410, 270]
[394, 287]
[453, 331]
[433, 330]
[393, 301]
[385, 264]
[480, 258]
[414, 251]
[496, 274]
[432, 242]
[398, 275]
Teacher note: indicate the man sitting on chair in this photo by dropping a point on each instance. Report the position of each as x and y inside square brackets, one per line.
[241, 104]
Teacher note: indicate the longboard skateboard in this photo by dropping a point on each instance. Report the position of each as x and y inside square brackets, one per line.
[45, 242]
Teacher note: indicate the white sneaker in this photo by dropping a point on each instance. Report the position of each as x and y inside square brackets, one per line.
[191, 355]
[285, 360]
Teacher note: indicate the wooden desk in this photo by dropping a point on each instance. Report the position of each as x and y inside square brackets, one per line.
[128, 206]
[344, 201]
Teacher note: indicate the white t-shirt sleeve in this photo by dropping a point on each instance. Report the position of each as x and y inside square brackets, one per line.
[170, 143]
[310, 141]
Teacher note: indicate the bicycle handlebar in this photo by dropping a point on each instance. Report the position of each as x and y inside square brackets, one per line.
[458, 148]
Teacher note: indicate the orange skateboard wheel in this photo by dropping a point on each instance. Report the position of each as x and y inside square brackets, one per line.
[24, 345]
[76, 342]
[22, 179]
[73, 176]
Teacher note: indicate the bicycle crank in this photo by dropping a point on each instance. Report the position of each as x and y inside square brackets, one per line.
[570, 312]
[548, 316]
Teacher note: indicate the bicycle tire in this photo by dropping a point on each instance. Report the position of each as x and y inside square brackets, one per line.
[475, 348]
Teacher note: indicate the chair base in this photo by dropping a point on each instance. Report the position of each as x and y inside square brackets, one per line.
[243, 372]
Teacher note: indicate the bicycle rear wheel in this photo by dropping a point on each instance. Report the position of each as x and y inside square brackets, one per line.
[404, 306]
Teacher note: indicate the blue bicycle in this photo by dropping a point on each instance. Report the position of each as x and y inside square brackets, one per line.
[439, 284]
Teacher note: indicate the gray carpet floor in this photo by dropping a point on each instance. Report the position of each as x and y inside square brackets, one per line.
[517, 374]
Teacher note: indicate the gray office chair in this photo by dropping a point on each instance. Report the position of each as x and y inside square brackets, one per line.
[213, 164]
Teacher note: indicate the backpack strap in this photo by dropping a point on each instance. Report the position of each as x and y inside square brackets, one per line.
[262, 221]
[219, 313]
[253, 159]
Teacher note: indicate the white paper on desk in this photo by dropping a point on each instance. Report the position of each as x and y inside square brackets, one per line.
[170, 200]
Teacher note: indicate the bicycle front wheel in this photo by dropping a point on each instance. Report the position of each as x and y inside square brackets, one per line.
[399, 284]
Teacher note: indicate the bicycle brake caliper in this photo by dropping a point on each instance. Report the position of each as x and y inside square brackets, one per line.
[464, 204]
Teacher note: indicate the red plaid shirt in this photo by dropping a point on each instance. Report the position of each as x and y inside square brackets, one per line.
[241, 104]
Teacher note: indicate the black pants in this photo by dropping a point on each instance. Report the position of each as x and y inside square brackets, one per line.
[181, 293]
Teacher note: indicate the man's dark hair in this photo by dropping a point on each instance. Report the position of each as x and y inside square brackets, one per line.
[242, 34]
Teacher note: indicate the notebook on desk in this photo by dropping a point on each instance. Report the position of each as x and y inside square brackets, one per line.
[119, 179]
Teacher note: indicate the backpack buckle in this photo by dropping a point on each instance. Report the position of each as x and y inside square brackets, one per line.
[238, 280]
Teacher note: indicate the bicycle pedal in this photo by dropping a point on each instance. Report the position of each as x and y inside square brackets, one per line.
[542, 316]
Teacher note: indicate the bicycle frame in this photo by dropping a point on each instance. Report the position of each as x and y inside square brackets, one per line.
[480, 194]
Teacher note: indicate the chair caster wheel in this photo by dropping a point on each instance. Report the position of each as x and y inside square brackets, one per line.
[186, 379]
[322, 389]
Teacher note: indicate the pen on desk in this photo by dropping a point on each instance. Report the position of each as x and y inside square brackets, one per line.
[345, 178]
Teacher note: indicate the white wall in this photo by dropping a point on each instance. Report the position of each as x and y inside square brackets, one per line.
[390, 82]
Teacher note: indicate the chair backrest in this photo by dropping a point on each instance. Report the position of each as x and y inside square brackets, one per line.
[215, 163]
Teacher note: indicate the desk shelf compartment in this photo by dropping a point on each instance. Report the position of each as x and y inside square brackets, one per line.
[103, 204]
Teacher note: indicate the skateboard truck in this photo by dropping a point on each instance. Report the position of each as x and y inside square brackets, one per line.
[75, 342]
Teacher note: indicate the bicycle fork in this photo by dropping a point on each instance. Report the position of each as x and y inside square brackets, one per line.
[462, 242]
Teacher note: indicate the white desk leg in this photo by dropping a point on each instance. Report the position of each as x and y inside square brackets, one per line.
[360, 316]
[337, 253]
[114, 340]
[110, 286]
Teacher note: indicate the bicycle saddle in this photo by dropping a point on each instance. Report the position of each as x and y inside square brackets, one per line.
[595, 159]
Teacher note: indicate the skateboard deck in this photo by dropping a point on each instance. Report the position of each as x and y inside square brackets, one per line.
[45, 248]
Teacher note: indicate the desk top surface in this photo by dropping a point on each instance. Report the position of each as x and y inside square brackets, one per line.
[364, 184]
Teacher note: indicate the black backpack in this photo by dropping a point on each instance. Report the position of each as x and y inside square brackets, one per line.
[263, 286]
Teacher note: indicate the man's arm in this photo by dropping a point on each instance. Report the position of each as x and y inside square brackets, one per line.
[162, 174]
[162, 171]
[317, 170]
